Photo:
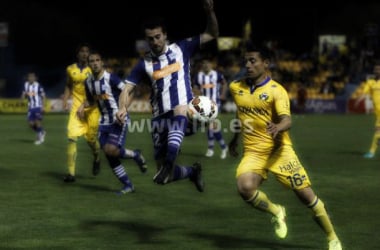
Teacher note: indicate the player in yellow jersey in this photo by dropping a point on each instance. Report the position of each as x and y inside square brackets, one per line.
[372, 88]
[263, 113]
[88, 128]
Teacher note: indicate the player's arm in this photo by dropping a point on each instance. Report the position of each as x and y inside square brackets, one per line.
[43, 97]
[67, 93]
[233, 144]
[285, 122]
[212, 28]
[223, 89]
[125, 100]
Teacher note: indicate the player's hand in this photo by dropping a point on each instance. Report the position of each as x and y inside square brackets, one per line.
[120, 115]
[272, 129]
[81, 113]
[232, 148]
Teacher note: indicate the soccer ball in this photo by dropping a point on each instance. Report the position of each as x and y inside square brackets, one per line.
[202, 109]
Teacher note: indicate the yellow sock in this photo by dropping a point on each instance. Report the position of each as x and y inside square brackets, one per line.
[260, 201]
[375, 142]
[71, 156]
[322, 218]
[95, 147]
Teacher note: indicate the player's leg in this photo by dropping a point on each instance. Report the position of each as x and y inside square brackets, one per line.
[248, 184]
[75, 129]
[210, 142]
[110, 140]
[217, 130]
[91, 138]
[316, 205]
[289, 171]
[374, 144]
[41, 133]
[251, 172]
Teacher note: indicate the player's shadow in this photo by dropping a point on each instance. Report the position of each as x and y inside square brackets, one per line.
[78, 183]
[144, 233]
[23, 140]
[222, 241]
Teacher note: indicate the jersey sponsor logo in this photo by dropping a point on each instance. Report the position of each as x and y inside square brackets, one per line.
[252, 110]
[167, 70]
[102, 97]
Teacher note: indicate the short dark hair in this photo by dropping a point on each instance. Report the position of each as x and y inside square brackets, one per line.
[264, 52]
[154, 22]
[81, 45]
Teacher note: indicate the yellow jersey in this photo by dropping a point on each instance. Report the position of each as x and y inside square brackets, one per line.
[76, 77]
[256, 107]
[372, 88]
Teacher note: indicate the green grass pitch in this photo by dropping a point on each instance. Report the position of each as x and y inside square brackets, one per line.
[39, 211]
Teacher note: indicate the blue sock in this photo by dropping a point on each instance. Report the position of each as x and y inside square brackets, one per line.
[210, 138]
[175, 137]
[182, 172]
[219, 138]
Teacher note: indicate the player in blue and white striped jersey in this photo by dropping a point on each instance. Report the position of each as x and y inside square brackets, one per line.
[35, 94]
[167, 66]
[211, 83]
[103, 89]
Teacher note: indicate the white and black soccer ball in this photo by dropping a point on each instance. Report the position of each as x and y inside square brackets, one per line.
[202, 109]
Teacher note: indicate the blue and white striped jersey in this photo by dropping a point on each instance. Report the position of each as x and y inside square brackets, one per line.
[105, 92]
[210, 84]
[169, 74]
[35, 94]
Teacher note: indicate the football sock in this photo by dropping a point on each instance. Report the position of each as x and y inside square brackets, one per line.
[122, 175]
[95, 147]
[175, 136]
[375, 142]
[127, 153]
[71, 156]
[118, 170]
[38, 129]
[322, 218]
[260, 201]
[219, 138]
[182, 172]
[210, 138]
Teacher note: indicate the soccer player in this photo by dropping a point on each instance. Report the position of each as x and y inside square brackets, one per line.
[211, 83]
[35, 94]
[103, 89]
[167, 66]
[372, 88]
[88, 128]
[263, 112]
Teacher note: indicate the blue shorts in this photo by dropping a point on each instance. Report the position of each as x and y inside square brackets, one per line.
[114, 134]
[35, 114]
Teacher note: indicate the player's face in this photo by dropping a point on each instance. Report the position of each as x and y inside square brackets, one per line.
[256, 66]
[83, 54]
[206, 65]
[156, 39]
[31, 77]
[95, 62]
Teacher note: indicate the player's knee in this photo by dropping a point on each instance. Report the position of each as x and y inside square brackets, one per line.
[111, 150]
[246, 187]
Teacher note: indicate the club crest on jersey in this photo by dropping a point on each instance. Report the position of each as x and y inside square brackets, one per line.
[241, 92]
[263, 96]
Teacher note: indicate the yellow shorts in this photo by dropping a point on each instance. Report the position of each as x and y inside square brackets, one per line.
[87, 128]
[284, 164]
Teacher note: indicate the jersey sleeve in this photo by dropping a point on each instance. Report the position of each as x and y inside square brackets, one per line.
[282, 102]
[116, 82]
[190, 45]
[137, 73]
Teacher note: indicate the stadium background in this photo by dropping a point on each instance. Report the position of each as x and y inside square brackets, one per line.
[42, 36]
